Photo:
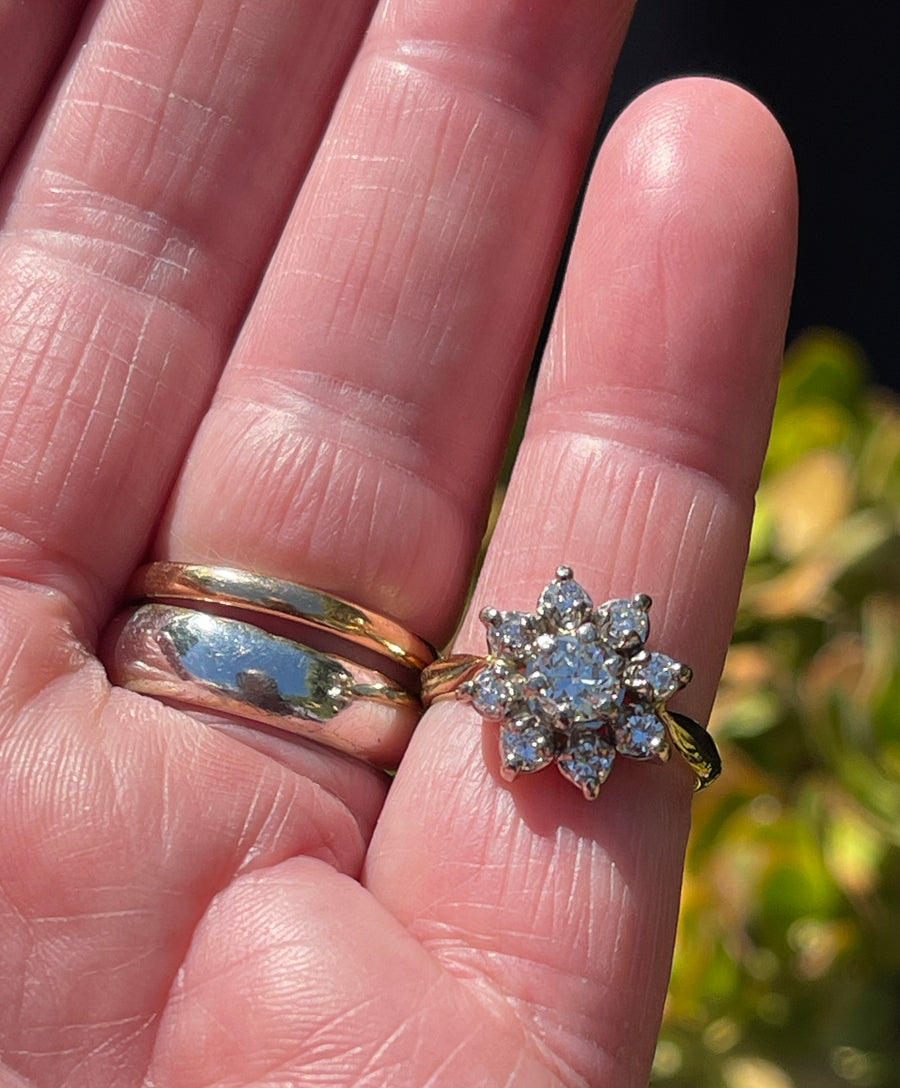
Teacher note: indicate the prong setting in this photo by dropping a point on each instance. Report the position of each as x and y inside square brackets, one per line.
[573, 684]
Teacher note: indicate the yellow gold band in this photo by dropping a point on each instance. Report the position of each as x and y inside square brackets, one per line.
[287, 600]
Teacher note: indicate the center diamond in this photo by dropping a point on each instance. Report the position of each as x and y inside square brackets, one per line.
[575, 676]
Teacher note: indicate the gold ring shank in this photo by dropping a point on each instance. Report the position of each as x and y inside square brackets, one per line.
[696, 745]
[288, 600]
[441, 680]
[230, 666]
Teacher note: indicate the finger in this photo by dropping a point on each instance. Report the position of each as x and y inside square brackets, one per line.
[638, 469]
[135, 235]
[357, 431]
[33, 38]
[121, 821]
[136, 232]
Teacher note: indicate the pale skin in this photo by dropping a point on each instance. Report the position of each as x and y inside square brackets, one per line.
[271, 274]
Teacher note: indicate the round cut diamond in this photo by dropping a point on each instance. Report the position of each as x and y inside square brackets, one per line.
[587, 760]
[659, 675]
[576, 677]
[509, 634]
[492, 690]
[641, 735]
[525, 748]
[565, 604]
[628, 623]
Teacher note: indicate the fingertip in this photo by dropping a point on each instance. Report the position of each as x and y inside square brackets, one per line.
[666, 126]
[682, 268]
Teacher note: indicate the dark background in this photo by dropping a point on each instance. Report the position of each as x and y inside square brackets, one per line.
[828, 71]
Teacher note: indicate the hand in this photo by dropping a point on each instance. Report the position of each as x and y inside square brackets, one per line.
[270, 281]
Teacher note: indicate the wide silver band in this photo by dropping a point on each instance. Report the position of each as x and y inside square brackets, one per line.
[230, 666]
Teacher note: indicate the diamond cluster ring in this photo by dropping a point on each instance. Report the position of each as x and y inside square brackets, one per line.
[573, 684]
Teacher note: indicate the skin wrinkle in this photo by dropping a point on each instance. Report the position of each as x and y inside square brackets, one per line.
[117, 353]
[347, 301]
[308, 510]
[362, 278]
[360, 426]
[604, 448]
[522, 51]
[465, 1043]
[95, 413]
[694, 557]
[148, 271]
[209, 121]
[488, 966]
[187, 143]
[407, 302]
[121, 243]
[670, 433]
[406, 1027]
[103, 280]
[325, 1029]
[437, 929]
[474, 74]
[154, 123]
[163, 94]
[117, 1044]
[486, 970]
[424, 349]
[80, 414]
[310, 394]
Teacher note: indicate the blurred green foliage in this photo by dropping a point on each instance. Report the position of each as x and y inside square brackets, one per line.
[787, 967]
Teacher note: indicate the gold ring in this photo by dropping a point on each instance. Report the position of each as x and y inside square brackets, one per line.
[230, 666]
[573, 684]
[287, 600]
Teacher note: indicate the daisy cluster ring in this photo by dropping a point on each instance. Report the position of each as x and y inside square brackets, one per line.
[573, 684]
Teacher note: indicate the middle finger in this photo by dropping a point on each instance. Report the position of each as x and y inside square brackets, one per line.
[356, 432]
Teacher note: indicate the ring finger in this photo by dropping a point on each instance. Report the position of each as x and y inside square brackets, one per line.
[638, 469]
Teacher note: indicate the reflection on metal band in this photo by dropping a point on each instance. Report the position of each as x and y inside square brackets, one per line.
[231, 666]
[254, 592]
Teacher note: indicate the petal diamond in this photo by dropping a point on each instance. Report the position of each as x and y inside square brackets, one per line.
[641, 735]
[492, 691]
[525, 748]
[586, 761]
[565, 604]
[627, 622]
[509, 634]
[659, 675]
